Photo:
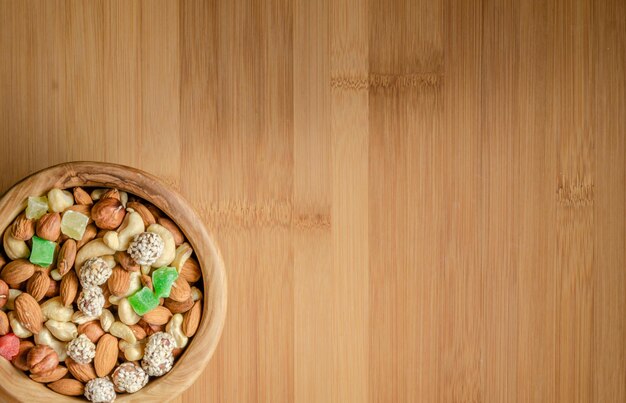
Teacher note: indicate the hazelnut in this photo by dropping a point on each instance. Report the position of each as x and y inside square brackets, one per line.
[4, 293]
[20, 361]
[49, 226]
[108, 213]
[92, 330]
[42, 359]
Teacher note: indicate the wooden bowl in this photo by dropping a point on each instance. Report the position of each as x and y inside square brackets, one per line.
[17, 385]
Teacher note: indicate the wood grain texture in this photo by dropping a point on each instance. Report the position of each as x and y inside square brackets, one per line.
[416, 200]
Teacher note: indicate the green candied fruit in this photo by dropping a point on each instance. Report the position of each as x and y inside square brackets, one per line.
[43, 252]
[37, 206]
[143, 301]
[73, 224]
[162, 280]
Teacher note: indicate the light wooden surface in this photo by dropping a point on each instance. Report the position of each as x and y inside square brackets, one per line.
[416, 200]
[198, 352]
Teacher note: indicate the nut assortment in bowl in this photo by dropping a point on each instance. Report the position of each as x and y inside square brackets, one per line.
[100, 292]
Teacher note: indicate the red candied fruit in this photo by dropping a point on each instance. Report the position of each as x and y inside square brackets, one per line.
[9, 346]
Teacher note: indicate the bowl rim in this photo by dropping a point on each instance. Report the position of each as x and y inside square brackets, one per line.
[152, 189]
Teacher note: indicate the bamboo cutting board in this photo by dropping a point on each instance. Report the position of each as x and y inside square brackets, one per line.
[416, 200]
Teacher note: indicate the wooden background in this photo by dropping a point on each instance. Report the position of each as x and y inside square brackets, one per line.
[416, 200]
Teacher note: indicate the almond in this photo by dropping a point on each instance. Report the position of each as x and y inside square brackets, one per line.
[66, 257]
[191, 319]
[106, 355]
[82, 197]
[158, 316]
[179, 238]
[4, 293]
[93, 330]
[146, 215]
[4, 324]
[138, 331]
[119, 281]
[191, 271]
[67, 387]
[180, 291]
[82, 372]
[178, 307]
[111, 194]
[126, 261]
[52, 376]
[23, 228]
[20, 361]
[49, 226]
[146, 281]
[28, 312]
[38, 285]
[106, 293]
[156, 213]
[108, 213]
[69, 288]
[42, 359]
[90, 233]
[17, 271]
[53, 289]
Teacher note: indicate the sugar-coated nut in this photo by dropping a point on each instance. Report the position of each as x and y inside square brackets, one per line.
[106, 320]
[81, 349]
[18, 329]
[158, 358]
[146, 248]
[174, 327]
[100, 390]
[127, 313]
[169, 246]
[64, 331]
[94, 248]
[45, 337]
[59, 200]
[94, 271]
[54, 309]
[129, 377]
[131, 227]
[14, 248]
[91, 301]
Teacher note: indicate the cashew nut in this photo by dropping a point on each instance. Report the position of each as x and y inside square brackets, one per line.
[146, 270]
[183, 252]
[80, 318]
[114, 299]
[97, 193]
[124, 198]
[196, 294]
[132, 225]
[54, 309]
[127, 313]
[174, 327]
[56, 276]
[59, 200]
[122, 331]
[169, 249]
[10, 304]
[94, 248]
[134, 284]
[132, 351]
[14, 248]
[110, 261]
[64, 331]
[106, 320]
[18, 329]
[45, 337]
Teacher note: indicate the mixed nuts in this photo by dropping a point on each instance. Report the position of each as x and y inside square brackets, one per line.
[97, 292]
